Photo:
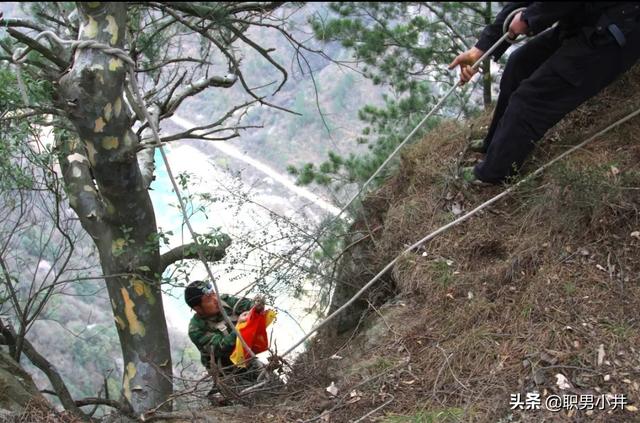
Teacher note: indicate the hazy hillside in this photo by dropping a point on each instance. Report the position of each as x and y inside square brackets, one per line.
[339, 92]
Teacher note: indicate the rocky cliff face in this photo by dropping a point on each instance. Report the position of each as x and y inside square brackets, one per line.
[17, 390]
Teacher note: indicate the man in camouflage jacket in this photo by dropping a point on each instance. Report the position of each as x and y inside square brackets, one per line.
[207, 329]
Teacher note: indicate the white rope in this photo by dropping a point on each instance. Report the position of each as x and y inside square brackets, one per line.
[455, 223]
[505, 37]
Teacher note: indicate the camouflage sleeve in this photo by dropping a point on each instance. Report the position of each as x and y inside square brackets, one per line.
[222, 344]
[243, 304]
[198, 334]
[205, 340]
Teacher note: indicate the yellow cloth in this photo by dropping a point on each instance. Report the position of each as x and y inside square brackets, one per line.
[254, 333]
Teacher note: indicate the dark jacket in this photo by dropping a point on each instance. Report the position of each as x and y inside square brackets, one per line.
[589, 18]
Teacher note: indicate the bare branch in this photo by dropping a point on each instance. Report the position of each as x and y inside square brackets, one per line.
[196, 87]
[62, 23]
[191, 132]
[103, 401]
[178, 83]
[13, 296]
[189, 251]
[170, 61]
[210, 11]
[264, 53]
[254, 7]
[21, 23]
[36, 112]
[35, 45]
[205, 135]
[223, 50]
[447, 23]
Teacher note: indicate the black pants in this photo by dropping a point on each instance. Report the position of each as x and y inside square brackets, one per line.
[544, 80]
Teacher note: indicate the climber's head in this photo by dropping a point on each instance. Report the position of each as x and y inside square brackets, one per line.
[201, 297]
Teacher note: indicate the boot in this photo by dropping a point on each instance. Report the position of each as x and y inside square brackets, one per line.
[468, 175]
[477, 146]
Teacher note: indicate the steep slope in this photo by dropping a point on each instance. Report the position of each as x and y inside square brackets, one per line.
[537, 294]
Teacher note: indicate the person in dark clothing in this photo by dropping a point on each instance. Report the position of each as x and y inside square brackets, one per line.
[550, 75]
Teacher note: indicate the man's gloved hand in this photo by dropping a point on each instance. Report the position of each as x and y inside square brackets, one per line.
[465, 61]
[258, 303]
[518, 26]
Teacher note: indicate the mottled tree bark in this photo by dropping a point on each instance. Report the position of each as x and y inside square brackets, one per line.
[107, 191]
[107, 171]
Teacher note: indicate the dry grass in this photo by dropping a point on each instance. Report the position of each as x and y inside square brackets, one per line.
[499, 305]
[39, 411]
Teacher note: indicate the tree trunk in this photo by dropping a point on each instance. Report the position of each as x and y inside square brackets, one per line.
[105, 188]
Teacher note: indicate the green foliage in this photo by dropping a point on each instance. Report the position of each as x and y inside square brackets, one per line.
[148, 44]
[17, 150]
[569, 288]
[120, 245]
[588, 194]
[387, 37]
[622, 330]
[331, 243]
[12, 175]
[93, 352]
[442, 272]
[526, 311]
[406, 47]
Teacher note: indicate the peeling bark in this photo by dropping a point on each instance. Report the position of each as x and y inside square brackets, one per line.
[146, 157]
[146, 160]
[117, 212]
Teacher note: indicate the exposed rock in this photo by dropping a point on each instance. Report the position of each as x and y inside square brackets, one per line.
[16, 387]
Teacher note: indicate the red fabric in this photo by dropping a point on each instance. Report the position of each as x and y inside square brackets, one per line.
[254, 332]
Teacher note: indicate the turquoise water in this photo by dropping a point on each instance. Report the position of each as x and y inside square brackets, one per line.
[208, 178]
[169, 218]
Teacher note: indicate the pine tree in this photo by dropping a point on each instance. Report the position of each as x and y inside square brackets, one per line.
[405, 47]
